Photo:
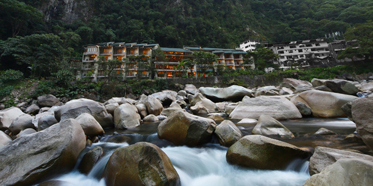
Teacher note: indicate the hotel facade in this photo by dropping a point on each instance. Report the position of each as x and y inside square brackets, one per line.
[167, 68]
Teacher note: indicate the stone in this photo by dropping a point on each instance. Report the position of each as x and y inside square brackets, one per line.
[119, 139]
[110, 107]
[8, 115]
[366, 87]
[198, 99]
[45, 109]
[324, 104]
[182, 128]
[228, 133]
[48, 100]
[32, 109]
[182, 93]
[267, 91]
[76, 107]
[120, 100]
[318, 82]
[247, 121]
[141, 108]
[191, 89]
[151, 118]
[342, 86]
[4, 139]
[199, 109]
[26, 132]
[22, 122]
[89, 125]
[344, 172]
[46, 121]
[90, 159]
[303, 109]
[230, 107]
[161, 117]
[324, 156]
[323, 88]
[153, 105]
[324, 131]
[276, 107]
[285, 91]
[126, 116]
[174, 107]
[232, 93]
[296, 82]
[221, 106]
[140, 164]
[268, 126]
[2, 106]
[260, 152]
[302, 88]
[362, 112]
[216, 117]
[34, 158]
[166, 97]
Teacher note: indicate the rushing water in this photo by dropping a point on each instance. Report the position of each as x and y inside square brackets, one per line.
[207, 165]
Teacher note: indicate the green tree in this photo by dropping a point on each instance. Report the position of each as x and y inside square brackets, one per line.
[18, 16]
[205, 60]
[363, 33]
[263, 58]
[42, 53]
[109, 68]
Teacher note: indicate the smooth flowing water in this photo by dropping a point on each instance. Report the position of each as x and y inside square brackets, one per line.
[207, 165]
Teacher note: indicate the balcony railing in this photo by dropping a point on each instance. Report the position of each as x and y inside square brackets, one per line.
[120, 54]
[89, 60]
[106, 53]
[90, 53]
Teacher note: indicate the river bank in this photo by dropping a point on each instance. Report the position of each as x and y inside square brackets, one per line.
[197, 136]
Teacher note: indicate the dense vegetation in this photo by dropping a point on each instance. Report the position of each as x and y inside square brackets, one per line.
[39, 37]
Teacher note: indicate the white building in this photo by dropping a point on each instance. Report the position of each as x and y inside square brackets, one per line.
[249, 45]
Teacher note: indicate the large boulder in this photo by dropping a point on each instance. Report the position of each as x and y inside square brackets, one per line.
[183, 128]
[32, 109]
[110, 107]
[153, 105]
[90, 159]
[42, 155]
[337, 85]
[22, 122]
[75, 108]
[25, 132]
[344, 172]
[324, 156]
[120, 100]
[324, 104]
[199, 109]
[268, 126]
[200, 100]
[151, 118]
[228, 133]
[126, 116]
[48, 100]
[140, 164]
[362, 112]
[191, 89]
[174, 107]
[267, 91]
[4, 139]
[166, 97]
[296, 82]
[276, 107]
[90, 126]
[141, 108]
[46, 121]
[303, 109]
[260, 152]
[232, 93]
[8, 115]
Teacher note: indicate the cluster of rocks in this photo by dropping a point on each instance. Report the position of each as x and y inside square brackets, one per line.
[51, 134]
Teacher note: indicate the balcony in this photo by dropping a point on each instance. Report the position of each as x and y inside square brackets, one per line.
[106, 53]
[90, 53]
[120, 54]
[166, 63]
[88, 61]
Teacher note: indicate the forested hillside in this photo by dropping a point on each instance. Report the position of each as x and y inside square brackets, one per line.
[174, 23]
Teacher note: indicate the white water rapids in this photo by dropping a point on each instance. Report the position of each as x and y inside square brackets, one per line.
[203, 167]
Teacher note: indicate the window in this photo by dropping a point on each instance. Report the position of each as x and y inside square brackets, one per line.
[106, 50]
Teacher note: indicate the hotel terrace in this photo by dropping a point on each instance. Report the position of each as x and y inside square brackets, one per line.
[227, 58]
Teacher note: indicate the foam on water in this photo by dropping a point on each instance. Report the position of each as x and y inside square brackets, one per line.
[208, 166]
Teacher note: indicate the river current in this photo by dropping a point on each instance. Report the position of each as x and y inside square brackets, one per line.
[205, 166]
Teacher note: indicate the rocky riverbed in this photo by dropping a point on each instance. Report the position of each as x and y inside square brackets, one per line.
[296, 133]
